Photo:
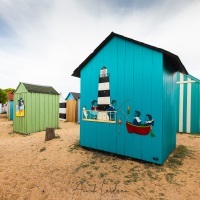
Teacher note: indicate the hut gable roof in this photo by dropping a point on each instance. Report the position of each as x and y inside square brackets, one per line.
[174, 59]
[73, 95]
[193, 78]
[40, 89]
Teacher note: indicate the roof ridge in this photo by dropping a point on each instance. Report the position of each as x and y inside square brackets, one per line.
[36, 84]
[173, 57]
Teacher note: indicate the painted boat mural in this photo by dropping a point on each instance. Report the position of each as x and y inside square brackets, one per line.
[141, 130]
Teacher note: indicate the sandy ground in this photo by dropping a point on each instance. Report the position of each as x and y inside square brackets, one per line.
[31, 168]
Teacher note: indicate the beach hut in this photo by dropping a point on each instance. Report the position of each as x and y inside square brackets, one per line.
[62, 108]
[73, 114]
[1, 108]
[36, 107]
[128, 99]
[10, 105]
[5, 108]
[188, 104]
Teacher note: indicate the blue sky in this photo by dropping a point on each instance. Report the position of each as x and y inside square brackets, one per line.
[43, 41]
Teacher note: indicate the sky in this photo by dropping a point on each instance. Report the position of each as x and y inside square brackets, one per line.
[43, 41]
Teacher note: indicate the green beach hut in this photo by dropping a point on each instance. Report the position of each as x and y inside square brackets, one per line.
[35, 108]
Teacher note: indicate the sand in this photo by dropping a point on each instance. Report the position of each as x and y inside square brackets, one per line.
[31, 168]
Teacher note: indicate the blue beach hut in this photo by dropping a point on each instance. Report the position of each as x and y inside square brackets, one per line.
[73, 107]
[128, 99]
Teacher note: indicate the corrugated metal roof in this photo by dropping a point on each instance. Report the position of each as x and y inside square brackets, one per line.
[174, 59]
[40, 89]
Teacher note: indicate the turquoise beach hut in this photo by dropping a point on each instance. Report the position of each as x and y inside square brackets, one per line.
[188, 104]
[128, 99]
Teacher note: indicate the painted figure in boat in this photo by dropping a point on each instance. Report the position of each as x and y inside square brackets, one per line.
[94, 109]
[149, 120]
[136, 120]
[111, 108]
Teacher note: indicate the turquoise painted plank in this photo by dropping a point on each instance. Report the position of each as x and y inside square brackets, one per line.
[103, 136]
[88, 86]
[87, 134]
[121, 95]
[184, 104]
[157, 107]
[195, 110]
[82, 103]
[177, 101]
[169, 125]
[95, 71]
[128, 93]
[137, 96]
[11, 110]
[93, 136]
[107, 62]
[146, 100]
[100, 131]
[113, 93]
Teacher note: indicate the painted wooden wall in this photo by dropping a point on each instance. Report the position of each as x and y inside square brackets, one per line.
[169, 109]
[1, 108]
[10, 110]
[72, 111]
[188, 104]
[140, 75]
[62, 108]
[41, 111]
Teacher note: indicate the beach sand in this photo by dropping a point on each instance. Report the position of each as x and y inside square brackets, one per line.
[31, 168]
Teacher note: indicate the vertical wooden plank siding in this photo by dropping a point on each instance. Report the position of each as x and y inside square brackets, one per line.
[137, 96]
[157, 108]
[104, 127]
[184, 104]
[188, 115]
[87, 131]
[120, 95]
[11, 110]
[41, 111]
[146, 100]
[169, 109]
[142, 77]
[188, 112]
[20, 123]
[71, 110]
[128, 93]
[114, 128]
[195, 110]
[82, 104]
[181, 105]
[93, 96]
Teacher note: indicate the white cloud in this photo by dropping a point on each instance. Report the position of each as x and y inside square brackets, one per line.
[46, 40]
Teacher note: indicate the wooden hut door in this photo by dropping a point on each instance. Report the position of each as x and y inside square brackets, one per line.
[71, 111]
